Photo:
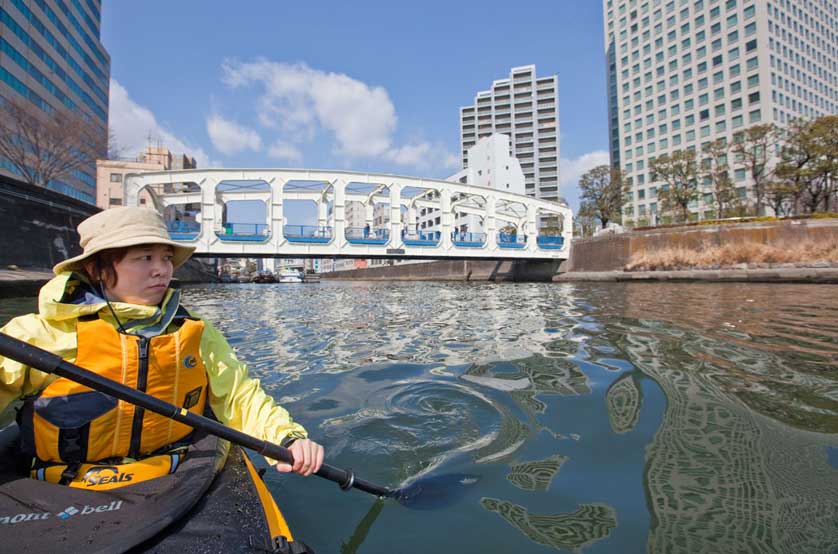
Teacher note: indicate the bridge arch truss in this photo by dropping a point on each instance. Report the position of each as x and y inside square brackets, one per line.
[511, 226]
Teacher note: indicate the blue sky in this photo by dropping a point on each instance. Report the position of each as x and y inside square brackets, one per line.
[369, 86]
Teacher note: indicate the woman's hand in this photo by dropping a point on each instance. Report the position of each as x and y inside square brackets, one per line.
[308, 457]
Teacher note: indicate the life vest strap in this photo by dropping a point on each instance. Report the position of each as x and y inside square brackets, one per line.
[104, 476]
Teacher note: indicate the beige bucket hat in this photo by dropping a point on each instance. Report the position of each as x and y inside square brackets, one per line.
[121, 227]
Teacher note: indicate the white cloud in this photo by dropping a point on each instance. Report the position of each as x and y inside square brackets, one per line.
[300, 101]
[423, 156]
[284, 151]
[229, 137]
[133, 124]
[572, 170]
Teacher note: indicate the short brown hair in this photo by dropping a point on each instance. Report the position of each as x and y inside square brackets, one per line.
[99, 268]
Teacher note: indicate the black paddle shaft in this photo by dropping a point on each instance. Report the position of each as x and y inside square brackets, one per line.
[48, 362]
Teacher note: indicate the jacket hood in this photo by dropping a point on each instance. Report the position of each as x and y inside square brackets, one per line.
[69, 296]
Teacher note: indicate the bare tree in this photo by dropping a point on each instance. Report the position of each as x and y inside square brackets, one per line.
[604, 191]
[47, 146]
[584, 222]
[752, 148]
[679, 171]
[792, 173]
[115, 149]
[822, 137]
[716, 172]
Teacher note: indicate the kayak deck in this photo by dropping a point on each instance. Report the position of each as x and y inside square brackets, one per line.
[212, 503]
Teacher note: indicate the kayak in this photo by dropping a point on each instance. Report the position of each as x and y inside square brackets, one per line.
[206, 498]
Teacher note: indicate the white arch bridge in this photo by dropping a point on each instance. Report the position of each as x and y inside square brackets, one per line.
[351, 215]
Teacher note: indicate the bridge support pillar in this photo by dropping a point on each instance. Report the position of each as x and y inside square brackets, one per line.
[395, 216]
[277, 214]
[211, 211]
[531, 229]
[491, 231]
[339, 212]
[446, 220]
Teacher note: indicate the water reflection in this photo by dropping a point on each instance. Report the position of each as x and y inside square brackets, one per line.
[586, 525]
[725, 471]
[737, 384]
[624, 399]
[536, 476]
[604, 418]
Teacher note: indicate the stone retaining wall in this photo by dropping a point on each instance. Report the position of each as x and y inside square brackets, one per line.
[453, 270]
[37, 225]
[613, 252]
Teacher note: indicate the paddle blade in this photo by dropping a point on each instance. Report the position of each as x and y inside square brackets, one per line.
[435, 492]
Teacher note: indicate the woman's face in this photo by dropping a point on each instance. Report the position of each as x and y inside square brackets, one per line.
[143, 275]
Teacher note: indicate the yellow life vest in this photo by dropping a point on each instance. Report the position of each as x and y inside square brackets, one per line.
[68, 422]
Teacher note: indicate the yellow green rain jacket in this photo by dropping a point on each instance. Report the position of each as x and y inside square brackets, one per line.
[236, 399]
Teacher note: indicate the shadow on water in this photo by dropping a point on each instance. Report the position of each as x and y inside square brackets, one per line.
[363, 528]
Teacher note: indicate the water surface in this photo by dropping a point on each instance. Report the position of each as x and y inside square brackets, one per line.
[631, 417]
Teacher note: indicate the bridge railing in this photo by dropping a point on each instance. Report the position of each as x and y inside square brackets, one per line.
[468, 240]
[511, 240]
[183, 230]
[421, 238]
[365, 235]
[248, 232]
[550, 242]
[308, 234]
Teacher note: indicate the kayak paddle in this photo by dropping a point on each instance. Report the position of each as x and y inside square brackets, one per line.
[48, 362]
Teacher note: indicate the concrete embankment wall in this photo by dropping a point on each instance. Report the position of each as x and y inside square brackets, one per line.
[37, 225]
[613, 252]
[453, 270]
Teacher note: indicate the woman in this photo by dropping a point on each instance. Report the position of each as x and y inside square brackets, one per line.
[112, 310]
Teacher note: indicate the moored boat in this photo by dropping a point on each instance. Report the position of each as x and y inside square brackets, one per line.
[289, 275]
[264, 277]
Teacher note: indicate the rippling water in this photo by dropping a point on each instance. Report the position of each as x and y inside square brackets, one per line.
[599, 418]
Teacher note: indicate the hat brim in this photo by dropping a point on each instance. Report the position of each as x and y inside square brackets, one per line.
[181, 253]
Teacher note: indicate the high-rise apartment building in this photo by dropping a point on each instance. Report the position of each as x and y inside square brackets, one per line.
[682, 73]
[526, 108]
[51, 57]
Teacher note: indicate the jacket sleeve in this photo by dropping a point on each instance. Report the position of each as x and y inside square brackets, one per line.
[238, 400]
[18, 380]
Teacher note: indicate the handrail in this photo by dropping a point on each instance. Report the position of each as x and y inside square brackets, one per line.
[365, 233]
[246, 229]
[307, 231]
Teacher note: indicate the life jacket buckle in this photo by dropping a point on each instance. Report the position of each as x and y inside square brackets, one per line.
[70, 473]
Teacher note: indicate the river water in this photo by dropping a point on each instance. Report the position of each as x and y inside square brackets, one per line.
[621, 418]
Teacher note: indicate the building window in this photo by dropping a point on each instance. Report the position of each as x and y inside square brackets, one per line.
[115, 201]
[116, 177]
